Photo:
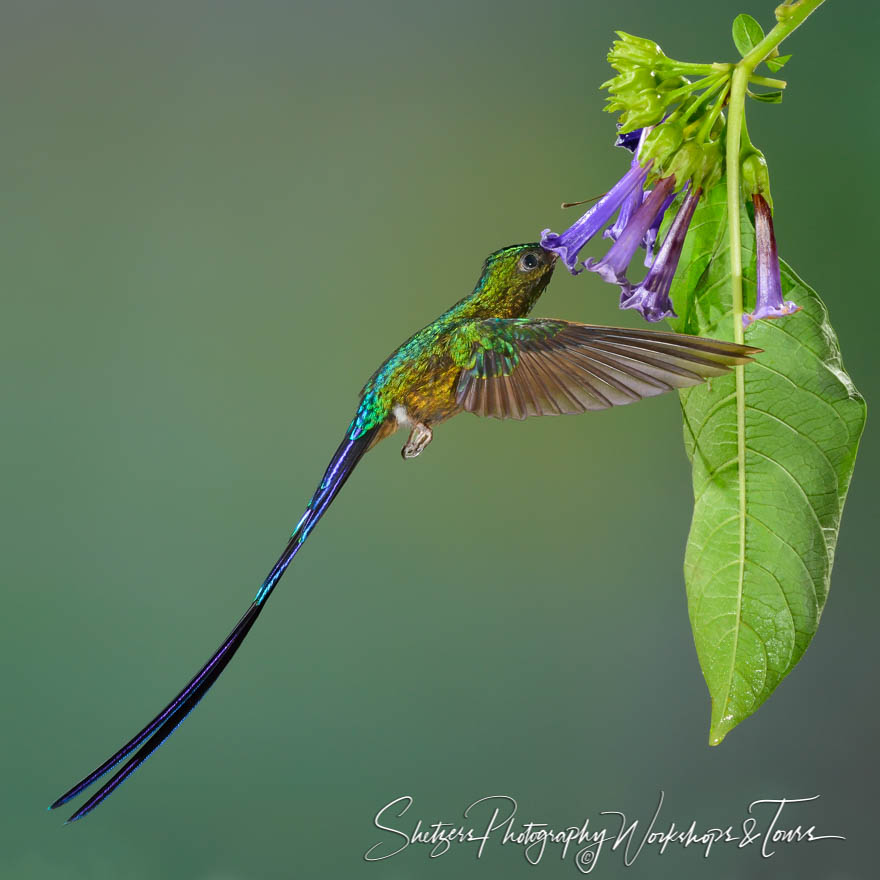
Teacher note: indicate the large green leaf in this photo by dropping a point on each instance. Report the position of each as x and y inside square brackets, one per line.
[761, 545]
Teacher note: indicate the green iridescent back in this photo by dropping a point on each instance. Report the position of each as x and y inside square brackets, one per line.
[504, 290]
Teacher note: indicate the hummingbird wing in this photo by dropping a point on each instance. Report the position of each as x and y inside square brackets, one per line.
[520, 367]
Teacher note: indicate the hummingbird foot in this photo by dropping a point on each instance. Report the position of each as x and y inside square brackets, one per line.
[420, 436]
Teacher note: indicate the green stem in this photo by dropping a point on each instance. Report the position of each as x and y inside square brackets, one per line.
[705, 82]
[767, 81]
[706, 69]
[737, 107]
[790, 17]
[712, 116]
[745, 142]
[739, 84]
[688, 110]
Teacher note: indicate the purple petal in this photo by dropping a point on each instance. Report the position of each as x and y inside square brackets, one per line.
[650, 238]
[630, 205]
[636, 196]
[769, 302]
[633, 140]
[629, 140]
[651, 297]
[568, 244]
[612, 267]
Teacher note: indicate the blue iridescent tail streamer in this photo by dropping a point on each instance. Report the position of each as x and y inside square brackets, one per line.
[164, 724]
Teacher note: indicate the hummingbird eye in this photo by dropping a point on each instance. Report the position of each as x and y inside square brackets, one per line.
[527, 262]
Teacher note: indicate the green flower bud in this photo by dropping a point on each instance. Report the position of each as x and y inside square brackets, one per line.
[754, 175]
[630, 51]
[671, 83]
[641, 110]
[684, 163]
[712, 166]
[638, 79]
[661, 143]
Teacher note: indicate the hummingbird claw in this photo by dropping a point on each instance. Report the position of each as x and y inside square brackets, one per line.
[420, 436]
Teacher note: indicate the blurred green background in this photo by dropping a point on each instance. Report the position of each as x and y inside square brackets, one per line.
[218, 219]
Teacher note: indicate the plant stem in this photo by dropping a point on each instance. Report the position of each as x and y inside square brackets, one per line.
[767, 81]
[688, 110]
[713, 115]
[707, 69]
[790, 17]
[737, 107]
[705, 82]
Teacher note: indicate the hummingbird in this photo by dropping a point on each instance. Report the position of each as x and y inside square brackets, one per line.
[483, 356]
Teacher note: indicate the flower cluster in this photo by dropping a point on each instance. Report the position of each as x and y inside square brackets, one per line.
[679, 169]
[675, 130]
[647, 82]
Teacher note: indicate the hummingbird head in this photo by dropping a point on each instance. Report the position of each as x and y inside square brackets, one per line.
[520, 268]
[512, 280]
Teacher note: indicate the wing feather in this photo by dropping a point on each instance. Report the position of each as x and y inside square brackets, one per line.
[529, 389]
[562, 367]
[583, 385]
[613, 387]
[557, 401]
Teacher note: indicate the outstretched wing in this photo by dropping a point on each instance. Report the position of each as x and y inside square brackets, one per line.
[514, 368]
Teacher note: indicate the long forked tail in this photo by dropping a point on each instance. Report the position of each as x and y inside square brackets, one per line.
[163, 725]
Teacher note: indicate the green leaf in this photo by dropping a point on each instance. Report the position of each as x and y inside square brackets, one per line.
[767, 97]
[762, 539]
[777, 63]
[747, 33]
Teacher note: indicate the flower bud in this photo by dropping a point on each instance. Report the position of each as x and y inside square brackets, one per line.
[684, 163]
[712, 166]
[637, 79]
[671, 83]
[640, 110]
[661, 143]
[630, 51]
[755, 177]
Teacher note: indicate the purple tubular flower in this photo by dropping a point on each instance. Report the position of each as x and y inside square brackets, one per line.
[651, 297]
[629, 140]
[650, 238]
[612, 267]
[568, 244]
[769, 299]
[630, 205]
[636, 196]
